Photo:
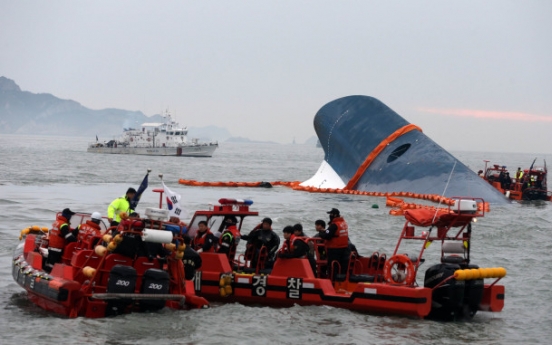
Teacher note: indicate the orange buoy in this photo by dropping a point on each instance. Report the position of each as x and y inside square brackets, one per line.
[399, 270]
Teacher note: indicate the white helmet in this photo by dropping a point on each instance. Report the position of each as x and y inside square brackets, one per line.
[96, 216]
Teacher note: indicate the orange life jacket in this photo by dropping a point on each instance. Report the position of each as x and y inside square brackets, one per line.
[341, 236]
[199, 241]
[288, 246]
[87, 231]
[55, 239]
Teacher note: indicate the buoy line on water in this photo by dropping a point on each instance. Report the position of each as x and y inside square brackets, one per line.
[398, 205]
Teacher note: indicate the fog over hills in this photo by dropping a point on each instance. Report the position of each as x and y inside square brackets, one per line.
[23, 112]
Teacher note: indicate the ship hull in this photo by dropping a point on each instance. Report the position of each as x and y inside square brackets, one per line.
[354, 129]
[186, 151]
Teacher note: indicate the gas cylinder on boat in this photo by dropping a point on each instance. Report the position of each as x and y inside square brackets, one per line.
[155, 281]
[447, 299]
[122, 279]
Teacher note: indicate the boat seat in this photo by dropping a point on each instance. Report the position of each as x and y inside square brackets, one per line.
[453, 252]
[85, 258]
[68, 252]
[374, 260]
[381, 263]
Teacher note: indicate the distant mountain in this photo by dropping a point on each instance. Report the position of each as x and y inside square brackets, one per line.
[23, 112]
[245, 140]
[209, 133]
[312, 141]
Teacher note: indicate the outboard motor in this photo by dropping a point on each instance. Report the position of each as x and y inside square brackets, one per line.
[122, 279]
[447, 299]
[473, 294]
[155, 281]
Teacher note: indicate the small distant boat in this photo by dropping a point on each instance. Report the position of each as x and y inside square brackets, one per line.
[156, 139]
[528, 184]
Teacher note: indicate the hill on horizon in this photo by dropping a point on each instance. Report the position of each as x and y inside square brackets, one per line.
[23, 112]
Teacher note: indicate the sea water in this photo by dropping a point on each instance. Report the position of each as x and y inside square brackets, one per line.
[42, 175]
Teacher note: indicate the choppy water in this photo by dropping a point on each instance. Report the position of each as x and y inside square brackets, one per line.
[42, 175]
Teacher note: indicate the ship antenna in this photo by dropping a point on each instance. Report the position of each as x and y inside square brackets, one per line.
[442, 195]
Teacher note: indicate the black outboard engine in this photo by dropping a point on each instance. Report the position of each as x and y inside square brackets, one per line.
[472, 295]
[448, 299]
[155, 281]
[122, 279]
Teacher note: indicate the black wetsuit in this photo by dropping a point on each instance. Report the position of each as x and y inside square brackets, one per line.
[192, 262]
[258, 238]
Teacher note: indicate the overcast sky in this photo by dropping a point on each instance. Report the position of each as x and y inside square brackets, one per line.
[474, 75]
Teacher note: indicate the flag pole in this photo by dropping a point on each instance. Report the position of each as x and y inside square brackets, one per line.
[161, 191]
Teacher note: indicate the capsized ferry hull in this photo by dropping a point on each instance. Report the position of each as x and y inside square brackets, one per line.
[372, 148]
[186, 151]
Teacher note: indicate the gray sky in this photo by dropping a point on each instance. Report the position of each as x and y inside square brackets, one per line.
[474, 75]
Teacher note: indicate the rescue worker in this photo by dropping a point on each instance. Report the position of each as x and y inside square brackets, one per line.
[321, 253]
[296, 246]
[298, 230]
[519, 174]
[120, 205]
[88, 230]
[191, 259]
[230, 238]
[204, 240]
[320, 226]
[337, 243]
[59, 235]
[262, 236]
[507, 181]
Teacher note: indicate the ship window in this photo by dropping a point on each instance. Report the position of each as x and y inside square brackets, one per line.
[399, 151]
[176, 133]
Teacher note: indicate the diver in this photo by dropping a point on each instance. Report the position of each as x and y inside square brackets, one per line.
[260, 239]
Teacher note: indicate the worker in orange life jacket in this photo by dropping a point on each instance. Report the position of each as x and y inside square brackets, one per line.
[59, 235]
[295, 247]
[337, 243]
[204, 240]
[298, 232]
[89, 229]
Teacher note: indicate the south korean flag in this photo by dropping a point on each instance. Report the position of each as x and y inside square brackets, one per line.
[173, 202]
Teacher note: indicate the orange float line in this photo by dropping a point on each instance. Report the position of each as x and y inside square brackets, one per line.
[392, 200]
